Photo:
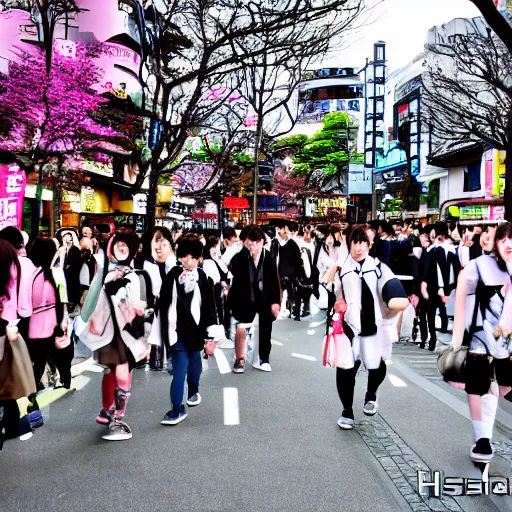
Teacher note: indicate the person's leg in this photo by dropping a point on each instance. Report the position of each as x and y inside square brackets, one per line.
[375, 379]
[108, 389]
[265, 336]
[180, 366]
[307, 308]
[345, 384]
[123, 389]
[431, 314]
[194, 369]
[11, 418]
[240, 340]
[39, 350]
[443, 314]
[482, 404]
[422, 315]
[62, 359]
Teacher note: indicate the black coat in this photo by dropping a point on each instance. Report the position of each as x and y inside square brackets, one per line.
[446, 261]
[241, 299]
[290, 259]
[192, 335]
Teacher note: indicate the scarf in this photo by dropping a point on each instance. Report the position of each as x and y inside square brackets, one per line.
[189, 279]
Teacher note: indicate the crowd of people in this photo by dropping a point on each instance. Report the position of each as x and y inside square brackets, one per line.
[165, 300]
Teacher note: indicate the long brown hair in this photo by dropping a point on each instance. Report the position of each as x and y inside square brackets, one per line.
[8, 258]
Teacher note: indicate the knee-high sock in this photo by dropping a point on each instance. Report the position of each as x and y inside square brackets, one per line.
[108, 388]
[375, 379]
[122, 395]
[489, 408]
[345, 383]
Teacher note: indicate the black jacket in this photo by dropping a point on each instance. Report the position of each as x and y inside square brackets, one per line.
[244, 301]
[446, 261]
[192, 335]
[290, 259]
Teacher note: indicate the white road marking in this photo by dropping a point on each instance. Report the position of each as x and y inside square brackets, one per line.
[396, 381]
[278, 343]
[311, 332]
[231, 409]
[388, 362]
[302, 356]
[317, 324]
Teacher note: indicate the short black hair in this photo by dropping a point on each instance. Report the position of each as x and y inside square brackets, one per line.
[253, 233]
[189, 245]
[359, 235]
[441, 229]
[229, 233]
[12, 235]
[42, 252]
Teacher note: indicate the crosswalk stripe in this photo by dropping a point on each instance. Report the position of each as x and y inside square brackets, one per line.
[396, 381]
[231, 407]
[302, 356]
[278, 343]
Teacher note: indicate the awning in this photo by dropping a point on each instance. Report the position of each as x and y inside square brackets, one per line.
[236, 203]
[430, 173]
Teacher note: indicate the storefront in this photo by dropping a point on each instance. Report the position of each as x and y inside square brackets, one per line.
[328, 209]
[238, 210]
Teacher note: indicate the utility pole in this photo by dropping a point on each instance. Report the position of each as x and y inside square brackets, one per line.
[257, 144]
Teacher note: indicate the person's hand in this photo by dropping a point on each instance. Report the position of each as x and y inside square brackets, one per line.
[11, 333]
[275, 310]
[340, 306]
[445, 299]
[457, 385]
[414, 300]
[424, 292]
[454, 346]
[209, 347]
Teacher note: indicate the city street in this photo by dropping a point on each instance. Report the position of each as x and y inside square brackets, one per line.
[286, 453]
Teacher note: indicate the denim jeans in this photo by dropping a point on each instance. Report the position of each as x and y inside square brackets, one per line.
[184, 364]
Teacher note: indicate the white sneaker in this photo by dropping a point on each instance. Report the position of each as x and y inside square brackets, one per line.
[264, 367]
[345, 423]
[370, 408]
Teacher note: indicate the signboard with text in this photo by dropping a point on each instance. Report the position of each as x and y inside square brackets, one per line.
[12, 192]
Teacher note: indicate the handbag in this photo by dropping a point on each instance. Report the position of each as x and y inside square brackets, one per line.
[452, 364]
[16, 371]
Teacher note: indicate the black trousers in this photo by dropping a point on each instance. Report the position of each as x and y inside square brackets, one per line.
[41, 349]
[422, 313]
[435, 303]
[265, 335]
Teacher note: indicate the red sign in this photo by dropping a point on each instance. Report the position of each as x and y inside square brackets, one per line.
[236, 203]
[12, 192]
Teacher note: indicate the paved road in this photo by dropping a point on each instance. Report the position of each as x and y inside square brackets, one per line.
[286, 453]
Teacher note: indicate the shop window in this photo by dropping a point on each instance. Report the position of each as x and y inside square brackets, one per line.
[472, 177]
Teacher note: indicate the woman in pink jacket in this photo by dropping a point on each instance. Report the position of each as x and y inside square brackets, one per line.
[49, 317]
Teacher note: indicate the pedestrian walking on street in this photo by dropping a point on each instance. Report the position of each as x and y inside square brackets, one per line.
[188, 325]
[254, 298]
[159, 259]
[373, 298]
[115, 321]
[483, 319]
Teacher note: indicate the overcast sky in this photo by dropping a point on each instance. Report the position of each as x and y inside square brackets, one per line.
[403, 25]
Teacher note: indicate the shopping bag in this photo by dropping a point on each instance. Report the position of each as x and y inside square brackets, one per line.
[16, 372]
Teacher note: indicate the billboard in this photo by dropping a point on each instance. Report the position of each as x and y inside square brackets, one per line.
[12, 191]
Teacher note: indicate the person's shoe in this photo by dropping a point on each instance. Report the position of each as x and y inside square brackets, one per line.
[118, 431]
[174, 417]
[482, 451]
[35, 419]
[239, 366]
[345, 423]
[370, 408]
[194, 400]
[104, 417]
[264, 367]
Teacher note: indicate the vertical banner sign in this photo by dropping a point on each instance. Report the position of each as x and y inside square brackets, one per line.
[12, 192]
[489, 172]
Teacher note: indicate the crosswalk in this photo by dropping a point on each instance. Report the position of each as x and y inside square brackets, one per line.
[422, 361]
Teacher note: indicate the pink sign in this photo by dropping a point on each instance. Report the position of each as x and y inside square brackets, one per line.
[497, 213]
[12, 192]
